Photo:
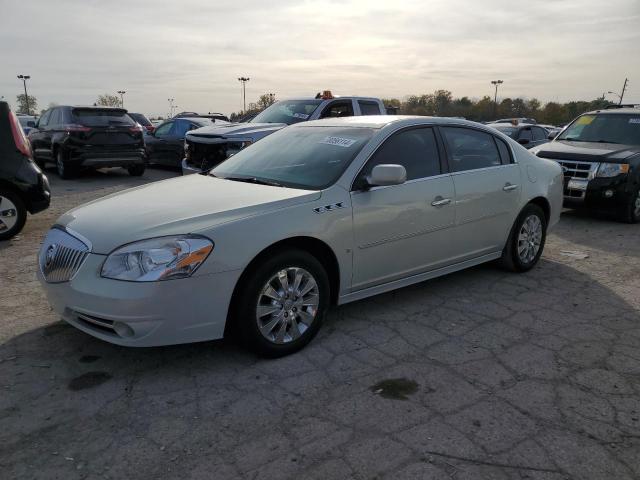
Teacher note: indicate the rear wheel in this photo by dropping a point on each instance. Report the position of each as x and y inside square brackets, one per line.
[65, 170]
[13, 214]
[526, 240]
[136, 170]
[632, 213]
[282, 303]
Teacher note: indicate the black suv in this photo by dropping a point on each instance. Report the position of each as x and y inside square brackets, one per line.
[23, 186]
[600, 155]
[81, 137]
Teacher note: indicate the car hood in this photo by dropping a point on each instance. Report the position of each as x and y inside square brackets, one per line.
[175, 206]
[587, 151]
[234, 130]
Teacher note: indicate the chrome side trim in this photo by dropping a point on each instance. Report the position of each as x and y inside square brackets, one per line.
[421, 277]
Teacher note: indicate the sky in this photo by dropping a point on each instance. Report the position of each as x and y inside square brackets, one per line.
[194, 51]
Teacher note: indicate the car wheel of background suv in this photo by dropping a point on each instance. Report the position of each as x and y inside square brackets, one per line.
[136, 170]
[13, 214]
[65, 170]
[526, 240]
[632, 213]
[282, 303]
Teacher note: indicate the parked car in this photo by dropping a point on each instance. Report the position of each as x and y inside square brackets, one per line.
[516, 120]
[207, 147]
[322, 212]
[552, 130]
[23, 186]
[27, 122]
[600, 154]
[211, 115]
[88, 137]
[166, 145]
[143, 121]
[527, 135]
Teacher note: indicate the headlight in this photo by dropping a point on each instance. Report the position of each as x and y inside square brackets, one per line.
[162, 258]
[612, 169]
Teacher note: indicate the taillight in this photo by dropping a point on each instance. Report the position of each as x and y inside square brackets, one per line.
[22, 144]
[136, 129]
[150, 128]
[74, 127]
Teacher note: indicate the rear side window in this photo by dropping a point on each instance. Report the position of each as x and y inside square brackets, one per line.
[539, 134]
[95, 117]
[141, 119]
[181, 127]
[368, 108]
[505, 153]
[525, 134]
[470, 149]
[416, 150]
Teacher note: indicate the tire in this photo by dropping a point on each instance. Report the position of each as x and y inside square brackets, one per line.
[523, 249]
[632, 211]
[136, 170]
[287, 322]
[13, 214]
[64, 169]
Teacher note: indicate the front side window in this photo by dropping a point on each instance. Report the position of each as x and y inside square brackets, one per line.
[470, 149]
[44, 119]
[415, 149]
[525, 134]
[604, 128]
[539, 134]
[338, 109]
[181, 128]
[55, 119]
[287, 111]
[310, 158]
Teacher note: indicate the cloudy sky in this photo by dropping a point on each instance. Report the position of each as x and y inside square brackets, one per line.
[194, 51]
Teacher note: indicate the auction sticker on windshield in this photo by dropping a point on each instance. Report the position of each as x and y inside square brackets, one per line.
[303, 116]
[585, 120]
[338, 141]
[634, 120]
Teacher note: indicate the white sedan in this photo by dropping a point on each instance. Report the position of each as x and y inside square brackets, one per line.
[320, 213]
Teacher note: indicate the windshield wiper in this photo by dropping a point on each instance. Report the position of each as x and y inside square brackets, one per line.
[605, 141]
[255, 180]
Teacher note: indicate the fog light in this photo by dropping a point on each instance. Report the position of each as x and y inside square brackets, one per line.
[608, 193]
[123, 329]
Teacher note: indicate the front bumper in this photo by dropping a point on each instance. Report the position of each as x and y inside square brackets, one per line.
[610, 194]
[143, 314]
[188, 169]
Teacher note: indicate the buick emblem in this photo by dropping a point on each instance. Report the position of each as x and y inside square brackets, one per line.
[50, 255]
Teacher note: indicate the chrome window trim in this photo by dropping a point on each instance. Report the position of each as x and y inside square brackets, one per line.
[408, 182]
[493, 167]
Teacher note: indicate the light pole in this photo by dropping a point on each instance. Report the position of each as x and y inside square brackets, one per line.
[244, 81]
[624, 88]
[170, 100]
[24, 79]
[121, 92]
[495, 96]
[614, 93]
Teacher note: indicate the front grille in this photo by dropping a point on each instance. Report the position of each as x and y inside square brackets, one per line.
[583, 170]
[204, 156]
[61, 255]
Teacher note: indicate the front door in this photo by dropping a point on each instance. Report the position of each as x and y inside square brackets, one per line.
[402, 230]
[487, 185]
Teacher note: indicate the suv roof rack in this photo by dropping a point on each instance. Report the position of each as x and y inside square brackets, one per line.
[624, 105]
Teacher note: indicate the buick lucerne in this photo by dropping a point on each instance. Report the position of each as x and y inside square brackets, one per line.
[321, 213]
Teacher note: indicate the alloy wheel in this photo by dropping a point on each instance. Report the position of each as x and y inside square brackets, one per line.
[636, 209]
[287, 305]
[8, 214]
[60, 165]
[529, 239]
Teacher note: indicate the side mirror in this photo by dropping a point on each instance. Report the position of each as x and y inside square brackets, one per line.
[551, 136]
[524, 141]
[387, 174]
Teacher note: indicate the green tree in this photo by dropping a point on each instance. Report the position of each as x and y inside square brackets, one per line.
[22, 104]
[266, 100]
[108, 100]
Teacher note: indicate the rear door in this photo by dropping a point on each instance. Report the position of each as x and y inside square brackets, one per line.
[487, 185]
[37, 137]
[403, 230]
[108, 129]
[159, 148]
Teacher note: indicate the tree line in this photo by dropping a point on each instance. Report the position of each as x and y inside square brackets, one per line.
[440, 103]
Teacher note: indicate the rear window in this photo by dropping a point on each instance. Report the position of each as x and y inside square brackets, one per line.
[93, 117]
[141, 119]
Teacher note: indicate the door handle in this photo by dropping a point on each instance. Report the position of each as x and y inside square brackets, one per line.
[440, 202]
[508, 187]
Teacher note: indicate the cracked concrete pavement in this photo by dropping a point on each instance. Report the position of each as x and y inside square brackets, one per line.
[504, 376]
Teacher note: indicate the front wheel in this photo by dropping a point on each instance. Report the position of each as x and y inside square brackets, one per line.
[632, 213]
[282, 303]
[526, 240]
[136, 170]
[13, 214]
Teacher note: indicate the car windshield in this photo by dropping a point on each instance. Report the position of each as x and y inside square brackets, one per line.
[604, 128]
[95, 117]
[509, 131]
[310, 158]
[287, 111]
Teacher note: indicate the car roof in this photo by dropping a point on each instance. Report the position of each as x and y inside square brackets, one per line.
[381, 121]
[608, 111]
[197, 119]
[340, 97]
[511, 125]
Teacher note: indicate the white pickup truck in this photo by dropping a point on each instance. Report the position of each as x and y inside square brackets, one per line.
[206, 147]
